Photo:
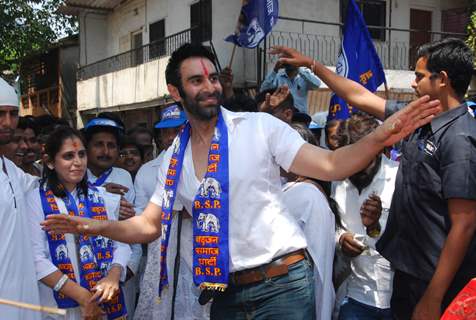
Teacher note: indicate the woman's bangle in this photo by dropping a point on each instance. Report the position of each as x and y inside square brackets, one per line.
[61, 282]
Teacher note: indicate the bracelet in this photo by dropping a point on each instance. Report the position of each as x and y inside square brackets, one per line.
[313, 65]
[61, 282]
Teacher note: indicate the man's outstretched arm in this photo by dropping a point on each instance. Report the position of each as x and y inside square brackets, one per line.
[353, 92]
[138, 229]
[312, 161]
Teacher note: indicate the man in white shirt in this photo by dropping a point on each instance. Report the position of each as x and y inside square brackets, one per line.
[17, 270]
[364, 201]
[103, 136]
[269, 274]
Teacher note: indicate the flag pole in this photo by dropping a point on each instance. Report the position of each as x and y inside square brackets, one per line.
[34, 307]
[232, 56]
[236, 31]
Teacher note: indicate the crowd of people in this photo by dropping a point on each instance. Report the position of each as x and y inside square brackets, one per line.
[240, 207]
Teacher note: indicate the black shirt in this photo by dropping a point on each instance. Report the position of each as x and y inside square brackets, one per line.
[438, 163]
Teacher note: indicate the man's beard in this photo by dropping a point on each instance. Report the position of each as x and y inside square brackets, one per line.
[364, 178]
[192, 105]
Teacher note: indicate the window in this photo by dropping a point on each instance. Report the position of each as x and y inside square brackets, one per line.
[374, 13]
[156, 39]
[136, 45]
[201, 21]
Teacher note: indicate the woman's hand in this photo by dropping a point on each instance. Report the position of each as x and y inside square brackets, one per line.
[108, 287]
[89, 310]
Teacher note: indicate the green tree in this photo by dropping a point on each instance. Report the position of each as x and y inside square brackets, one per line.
[471, 27]
[28, 27]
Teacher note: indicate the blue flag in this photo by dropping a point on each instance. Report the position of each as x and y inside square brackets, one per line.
[357, 60]
[256, 20]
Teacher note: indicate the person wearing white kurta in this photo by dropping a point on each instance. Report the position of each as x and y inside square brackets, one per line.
[371, 276]
[122, 177]
[17, 270]
[187, 306]
[309, 206]
[44, 265]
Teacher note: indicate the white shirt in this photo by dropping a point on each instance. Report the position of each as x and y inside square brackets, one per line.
[370, 281]
[17, 270]
[260, 226]
[41, 252]
[310, 208]
[118, 176]
[146, 182]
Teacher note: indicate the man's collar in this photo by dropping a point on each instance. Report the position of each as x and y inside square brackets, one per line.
[90, 173]
[232, 118]
[448, 116]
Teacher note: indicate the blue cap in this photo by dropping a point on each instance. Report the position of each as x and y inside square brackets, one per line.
[103, 122]
[171, 117]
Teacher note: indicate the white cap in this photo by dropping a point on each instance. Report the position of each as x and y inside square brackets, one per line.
[8, 95]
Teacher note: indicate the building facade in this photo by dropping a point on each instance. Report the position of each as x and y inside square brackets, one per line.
[124, 45]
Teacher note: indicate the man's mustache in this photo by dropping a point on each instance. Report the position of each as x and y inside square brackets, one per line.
[205, 96]
[104, 158]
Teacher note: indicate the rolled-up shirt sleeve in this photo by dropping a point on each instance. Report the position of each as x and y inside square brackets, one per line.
[283, 141]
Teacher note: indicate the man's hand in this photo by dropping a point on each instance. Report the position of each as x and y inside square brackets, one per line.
[397, 127]
[126, 210]
[371, 210]
[116, 188]
[349, 246]
[290, 56]
[62, 223]
[226, 81]
[428, 308]
[272, 101]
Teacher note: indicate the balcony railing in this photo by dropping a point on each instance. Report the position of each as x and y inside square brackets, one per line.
[396, 52]
[154, 50]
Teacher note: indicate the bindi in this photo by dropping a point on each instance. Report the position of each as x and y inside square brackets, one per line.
[75, 144]
[205, 70]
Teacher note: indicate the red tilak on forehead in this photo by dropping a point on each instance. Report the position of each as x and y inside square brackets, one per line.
[75, 144]
[205, 70]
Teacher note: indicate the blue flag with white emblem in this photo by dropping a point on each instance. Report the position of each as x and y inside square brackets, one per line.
[357, 60]
[256, 20]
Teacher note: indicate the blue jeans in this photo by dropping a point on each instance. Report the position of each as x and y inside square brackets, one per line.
[354, 310]
[289, 297]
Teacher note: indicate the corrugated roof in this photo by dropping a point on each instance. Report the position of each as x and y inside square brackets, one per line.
[94, 4]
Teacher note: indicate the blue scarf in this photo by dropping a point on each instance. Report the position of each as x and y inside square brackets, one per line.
[210, 212]
[95, 252]
[100, 181]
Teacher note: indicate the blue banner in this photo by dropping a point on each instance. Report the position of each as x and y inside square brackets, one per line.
[256, 20]
[357, 60]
